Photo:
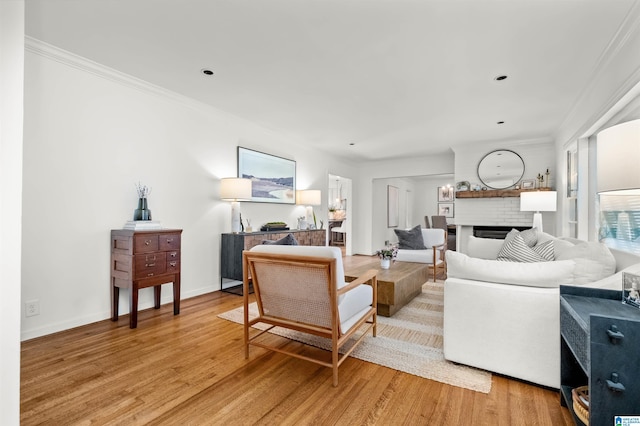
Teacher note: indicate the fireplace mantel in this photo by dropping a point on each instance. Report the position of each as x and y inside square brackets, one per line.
[496, 193]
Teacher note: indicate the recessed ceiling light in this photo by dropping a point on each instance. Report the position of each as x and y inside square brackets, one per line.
[351, 143]
[500, 122]
[206, 71]
[500, 78]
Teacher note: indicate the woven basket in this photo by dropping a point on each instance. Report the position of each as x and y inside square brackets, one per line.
[581, 403]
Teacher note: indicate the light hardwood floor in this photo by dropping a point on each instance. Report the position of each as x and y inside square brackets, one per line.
[190, 370]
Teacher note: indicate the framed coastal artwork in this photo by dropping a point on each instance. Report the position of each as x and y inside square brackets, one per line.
[273, 179]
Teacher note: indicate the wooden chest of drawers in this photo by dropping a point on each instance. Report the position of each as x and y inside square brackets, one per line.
[142, 259]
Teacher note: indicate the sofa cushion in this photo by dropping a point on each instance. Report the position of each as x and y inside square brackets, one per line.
[484, 248]
[515, 249]
[593, 260]
[614, 282]
[410, 239]
[419, 256]
[288, 240]
[540, 274]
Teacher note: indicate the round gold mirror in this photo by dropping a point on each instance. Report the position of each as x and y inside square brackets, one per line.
[501, 169]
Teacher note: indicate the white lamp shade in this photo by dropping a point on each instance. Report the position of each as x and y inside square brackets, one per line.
[309, 197]
[235, 189]
[538, 201]
[619, 159]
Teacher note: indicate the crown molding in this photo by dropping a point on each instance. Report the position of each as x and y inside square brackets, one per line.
[81, 63]
[628, 32]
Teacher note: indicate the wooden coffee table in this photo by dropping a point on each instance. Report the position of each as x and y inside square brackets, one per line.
[396, 286]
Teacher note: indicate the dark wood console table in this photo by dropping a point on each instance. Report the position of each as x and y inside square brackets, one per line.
[600, 347]
[141, 259]
[234, 244]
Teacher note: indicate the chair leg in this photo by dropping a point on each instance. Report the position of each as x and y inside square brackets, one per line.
[334, 361]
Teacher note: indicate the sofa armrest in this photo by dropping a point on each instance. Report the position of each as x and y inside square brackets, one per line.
[507, 329]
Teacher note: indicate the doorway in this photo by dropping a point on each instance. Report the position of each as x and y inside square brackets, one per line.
[339, 205]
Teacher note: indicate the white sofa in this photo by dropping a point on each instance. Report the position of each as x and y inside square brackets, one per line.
[504, 316]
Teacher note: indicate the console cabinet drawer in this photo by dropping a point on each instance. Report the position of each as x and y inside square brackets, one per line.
[150, 265]
[144, 243]
[169, 242]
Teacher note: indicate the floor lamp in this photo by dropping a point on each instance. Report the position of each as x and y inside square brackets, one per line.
[538, 201]
[309, 198]
[235, 190]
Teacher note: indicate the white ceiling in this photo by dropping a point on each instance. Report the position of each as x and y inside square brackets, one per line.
[396, 78]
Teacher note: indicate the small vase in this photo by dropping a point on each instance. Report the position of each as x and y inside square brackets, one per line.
[142, 212]
[385, 263]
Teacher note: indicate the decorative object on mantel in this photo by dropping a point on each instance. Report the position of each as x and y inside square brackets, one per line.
[538, 201]
[528, 184]
[463, 186]
[274, 226]
[235, 190]
[142, 212]
[386, 255]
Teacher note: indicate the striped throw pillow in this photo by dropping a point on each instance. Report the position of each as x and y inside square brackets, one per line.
[516, 250]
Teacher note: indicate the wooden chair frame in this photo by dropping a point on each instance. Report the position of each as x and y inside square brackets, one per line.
[338, 339]
[434, 266]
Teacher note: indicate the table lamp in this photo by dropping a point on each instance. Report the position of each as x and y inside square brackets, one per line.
[235, 190]
[309, 198]
[618, 158]
[538, 201]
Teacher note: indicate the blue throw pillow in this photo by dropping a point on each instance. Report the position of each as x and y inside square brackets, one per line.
[289, 240]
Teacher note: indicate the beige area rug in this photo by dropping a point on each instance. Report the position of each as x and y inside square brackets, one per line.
[409, 341]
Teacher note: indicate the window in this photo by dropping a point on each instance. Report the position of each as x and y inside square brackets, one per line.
[571, 204]
[619, 222]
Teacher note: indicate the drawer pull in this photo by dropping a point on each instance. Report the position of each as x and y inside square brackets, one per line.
[173, 264]
[614, 385]
[147, 242]
[149, 265]
[614, 334]
[169, 240]
[150, 274]
[174, 254]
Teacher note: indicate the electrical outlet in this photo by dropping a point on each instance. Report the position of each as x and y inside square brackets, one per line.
[32, 307]
[386, 243]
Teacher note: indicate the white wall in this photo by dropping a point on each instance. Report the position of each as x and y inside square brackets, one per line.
[426, 195]
[364, 227]
[11, 117]
[90, 134]
[421, 192]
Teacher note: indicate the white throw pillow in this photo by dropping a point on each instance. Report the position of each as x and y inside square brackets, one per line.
[593, 260]
[541, 274]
